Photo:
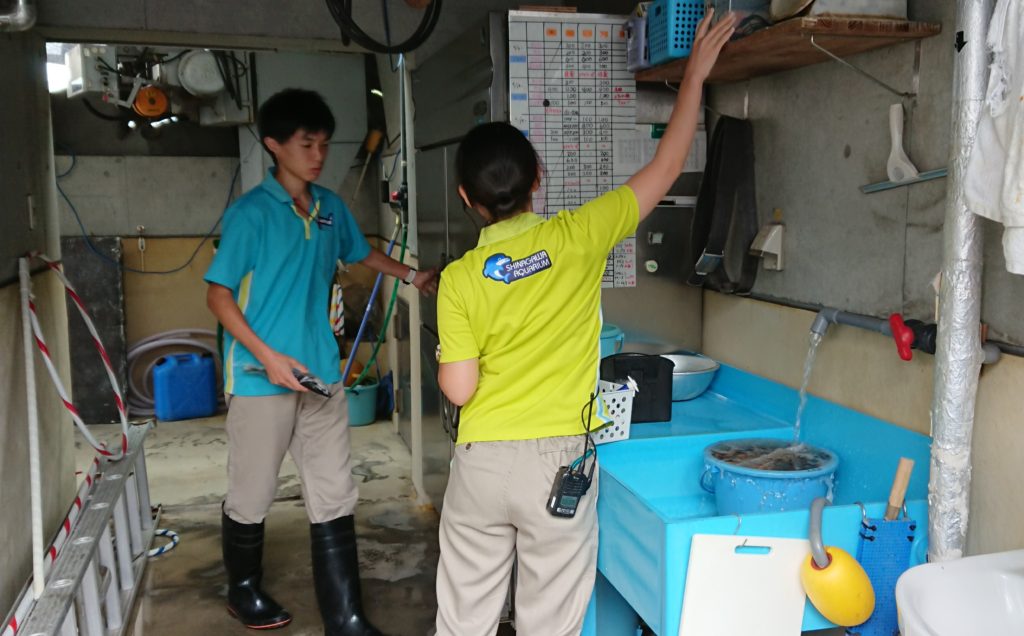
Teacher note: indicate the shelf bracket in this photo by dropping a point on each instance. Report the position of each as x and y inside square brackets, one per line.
[871, 77]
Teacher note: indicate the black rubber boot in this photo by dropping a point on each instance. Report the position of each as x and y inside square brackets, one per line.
[243, 558]
[336, 577]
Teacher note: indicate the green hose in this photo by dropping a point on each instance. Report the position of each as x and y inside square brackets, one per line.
[387, 318]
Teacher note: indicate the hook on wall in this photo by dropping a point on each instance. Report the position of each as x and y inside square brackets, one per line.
[894, 91]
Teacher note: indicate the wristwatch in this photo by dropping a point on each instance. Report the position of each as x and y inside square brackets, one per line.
[410, 277]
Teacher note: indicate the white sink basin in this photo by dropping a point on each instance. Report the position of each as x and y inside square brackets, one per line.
[974, 595]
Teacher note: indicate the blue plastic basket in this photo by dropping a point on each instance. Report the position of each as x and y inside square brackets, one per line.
[670, 28]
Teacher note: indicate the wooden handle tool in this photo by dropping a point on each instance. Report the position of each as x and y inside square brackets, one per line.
[899, 488]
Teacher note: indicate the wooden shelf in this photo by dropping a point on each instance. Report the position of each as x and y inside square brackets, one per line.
[787, 45]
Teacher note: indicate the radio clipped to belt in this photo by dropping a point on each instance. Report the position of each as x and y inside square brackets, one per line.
[573, 481]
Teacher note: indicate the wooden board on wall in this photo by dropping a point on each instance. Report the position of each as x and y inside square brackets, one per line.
[99, 284]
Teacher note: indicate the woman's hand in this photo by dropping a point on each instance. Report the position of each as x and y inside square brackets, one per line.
[707, 44]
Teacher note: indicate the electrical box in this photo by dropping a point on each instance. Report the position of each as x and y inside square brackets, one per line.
[93, 69]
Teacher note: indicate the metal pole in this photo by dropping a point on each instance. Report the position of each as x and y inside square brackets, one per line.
[35, 478]
[958, 353]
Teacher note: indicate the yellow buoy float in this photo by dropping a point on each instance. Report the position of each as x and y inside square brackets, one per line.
[834, 581]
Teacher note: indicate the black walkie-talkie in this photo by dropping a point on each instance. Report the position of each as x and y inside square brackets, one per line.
[566, 491]
[572, 481]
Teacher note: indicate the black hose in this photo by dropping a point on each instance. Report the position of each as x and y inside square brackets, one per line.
[341, 11]
[94, 111]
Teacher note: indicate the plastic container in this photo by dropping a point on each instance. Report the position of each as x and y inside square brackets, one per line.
[892, 9]
[692, 374]
[670, 28]
[752, 15]
[637, 55]
[653, 375]
[612, 339]
[618, 404]
[184, 386]
[741, 489]
[362, 404]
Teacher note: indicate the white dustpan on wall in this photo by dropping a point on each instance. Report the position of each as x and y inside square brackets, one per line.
[899, 168]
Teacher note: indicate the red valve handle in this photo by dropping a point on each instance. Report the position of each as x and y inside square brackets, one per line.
[903, 335]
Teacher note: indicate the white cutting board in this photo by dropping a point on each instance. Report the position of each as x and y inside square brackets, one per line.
[743, 586]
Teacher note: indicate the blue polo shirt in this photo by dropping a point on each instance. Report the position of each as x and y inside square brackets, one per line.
[279, 267]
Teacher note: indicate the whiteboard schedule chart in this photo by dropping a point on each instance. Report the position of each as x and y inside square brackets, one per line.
[571, 95]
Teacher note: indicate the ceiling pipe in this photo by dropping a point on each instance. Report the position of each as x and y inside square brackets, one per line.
[958, 356]
[21, 18]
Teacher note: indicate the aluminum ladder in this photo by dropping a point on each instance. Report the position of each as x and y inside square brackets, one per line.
[95, 578]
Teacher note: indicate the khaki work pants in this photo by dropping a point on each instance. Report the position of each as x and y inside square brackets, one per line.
[494, 511]
[314, 429]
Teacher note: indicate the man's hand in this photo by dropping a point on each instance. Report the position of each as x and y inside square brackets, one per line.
[426, 281]
[279, 370]
[707, 43]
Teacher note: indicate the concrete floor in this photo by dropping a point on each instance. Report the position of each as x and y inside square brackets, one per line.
[184, 590]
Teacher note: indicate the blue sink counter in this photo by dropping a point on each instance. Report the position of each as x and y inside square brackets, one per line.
[651, 503]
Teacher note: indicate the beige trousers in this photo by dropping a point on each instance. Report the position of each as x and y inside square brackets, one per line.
[494, 511]
[314, 429]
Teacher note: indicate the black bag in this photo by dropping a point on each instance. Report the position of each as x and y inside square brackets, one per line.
[653, 375]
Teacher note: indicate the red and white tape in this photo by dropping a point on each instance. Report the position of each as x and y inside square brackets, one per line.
[55, 377]
[26, 599]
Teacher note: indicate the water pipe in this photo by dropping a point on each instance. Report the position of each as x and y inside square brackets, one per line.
[959, 359]
[908, 335]
[35, 477]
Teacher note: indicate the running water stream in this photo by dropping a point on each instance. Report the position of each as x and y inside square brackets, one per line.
[808, 365]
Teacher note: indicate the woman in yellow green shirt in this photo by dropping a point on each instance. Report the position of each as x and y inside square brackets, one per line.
[519, 321]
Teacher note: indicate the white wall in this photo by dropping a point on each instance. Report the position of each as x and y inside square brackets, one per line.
[56, 439]
[820, 133]
[169, 196]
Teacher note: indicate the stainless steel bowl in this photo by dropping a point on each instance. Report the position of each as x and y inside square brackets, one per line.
[692, 374]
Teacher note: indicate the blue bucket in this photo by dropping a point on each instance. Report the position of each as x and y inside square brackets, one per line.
[612, 339]
[362, 404]
[742, 489]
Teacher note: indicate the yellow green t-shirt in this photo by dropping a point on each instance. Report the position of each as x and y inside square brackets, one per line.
[527, 303]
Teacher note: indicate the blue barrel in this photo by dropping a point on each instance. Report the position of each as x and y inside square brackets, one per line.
[801, 474]
[185, 386]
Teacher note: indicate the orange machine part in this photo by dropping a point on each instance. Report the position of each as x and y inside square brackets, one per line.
[150, 101]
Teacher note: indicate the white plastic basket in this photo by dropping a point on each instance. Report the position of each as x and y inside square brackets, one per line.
[618, 404]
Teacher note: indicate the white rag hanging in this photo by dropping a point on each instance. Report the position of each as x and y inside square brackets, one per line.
[994, 183]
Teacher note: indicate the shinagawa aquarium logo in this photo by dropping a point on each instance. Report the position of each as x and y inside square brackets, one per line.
[502, 268]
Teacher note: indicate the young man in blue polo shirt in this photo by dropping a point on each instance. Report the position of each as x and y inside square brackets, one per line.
[269, 286]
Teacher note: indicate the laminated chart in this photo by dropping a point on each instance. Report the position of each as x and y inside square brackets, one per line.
[570, 93]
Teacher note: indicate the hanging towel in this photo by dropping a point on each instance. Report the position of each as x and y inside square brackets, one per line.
[994, 182]
[725, 221]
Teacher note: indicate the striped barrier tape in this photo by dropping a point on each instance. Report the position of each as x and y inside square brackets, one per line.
[55, 377]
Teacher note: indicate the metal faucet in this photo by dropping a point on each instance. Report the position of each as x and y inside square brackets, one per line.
[830, 315]
[910, 334]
